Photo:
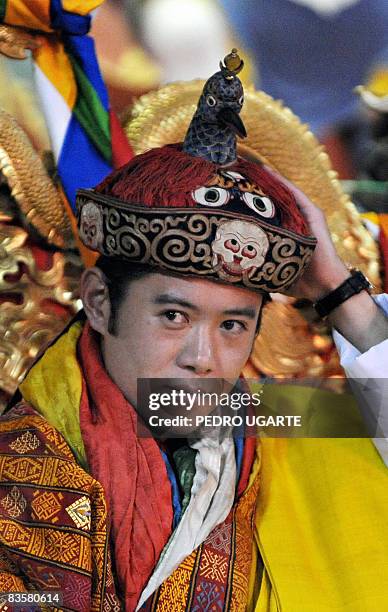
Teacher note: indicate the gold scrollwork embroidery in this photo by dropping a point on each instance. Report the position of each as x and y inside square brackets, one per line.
[184, 243]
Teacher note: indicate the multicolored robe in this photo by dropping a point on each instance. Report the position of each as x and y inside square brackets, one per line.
[61, 524]
[308, 530]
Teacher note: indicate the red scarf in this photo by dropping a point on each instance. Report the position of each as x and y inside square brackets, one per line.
[131, 470]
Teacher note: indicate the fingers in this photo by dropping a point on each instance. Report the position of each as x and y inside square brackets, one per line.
[314, 215]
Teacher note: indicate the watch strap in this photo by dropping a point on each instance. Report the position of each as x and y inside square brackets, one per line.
[356, 283]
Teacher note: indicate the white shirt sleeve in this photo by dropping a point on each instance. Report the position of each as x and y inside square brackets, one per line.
[368, 376]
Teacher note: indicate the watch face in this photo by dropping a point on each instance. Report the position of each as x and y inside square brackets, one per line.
[362, 279]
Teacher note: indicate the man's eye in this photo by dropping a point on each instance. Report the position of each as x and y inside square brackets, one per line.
[174, 316]
[234, 326]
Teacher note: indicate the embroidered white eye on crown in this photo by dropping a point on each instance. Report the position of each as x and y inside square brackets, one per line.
[216, 196]
[260, 204]
[211, 196]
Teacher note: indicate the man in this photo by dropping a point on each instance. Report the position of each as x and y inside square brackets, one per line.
[192, 240]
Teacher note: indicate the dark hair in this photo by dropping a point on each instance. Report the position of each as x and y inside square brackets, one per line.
[120, 273]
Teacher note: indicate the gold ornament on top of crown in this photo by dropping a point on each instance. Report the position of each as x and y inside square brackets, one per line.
[275, 136]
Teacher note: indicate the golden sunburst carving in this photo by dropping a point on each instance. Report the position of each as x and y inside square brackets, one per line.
[39, 202]
[28, 320]
[35, 301]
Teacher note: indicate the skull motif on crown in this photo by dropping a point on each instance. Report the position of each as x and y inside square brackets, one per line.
[239, 248]
[91, 226]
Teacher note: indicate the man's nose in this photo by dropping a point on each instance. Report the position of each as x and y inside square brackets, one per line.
[198, 355]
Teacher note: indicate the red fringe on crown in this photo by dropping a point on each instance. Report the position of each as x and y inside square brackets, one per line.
[166, 176]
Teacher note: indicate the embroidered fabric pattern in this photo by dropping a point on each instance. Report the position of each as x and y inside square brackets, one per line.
[53, 517]
[215, 576]
[198, 241]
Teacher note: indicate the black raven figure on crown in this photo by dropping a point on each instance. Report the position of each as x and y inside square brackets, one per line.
[213, 129]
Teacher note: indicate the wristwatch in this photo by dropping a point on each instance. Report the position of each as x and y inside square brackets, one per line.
[356, 283]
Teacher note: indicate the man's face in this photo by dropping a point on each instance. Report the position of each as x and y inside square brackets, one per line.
[174, 328]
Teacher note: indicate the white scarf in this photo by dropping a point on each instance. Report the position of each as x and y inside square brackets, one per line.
[212, 497]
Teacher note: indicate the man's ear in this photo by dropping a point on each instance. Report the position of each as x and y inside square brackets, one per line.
[95, 299]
